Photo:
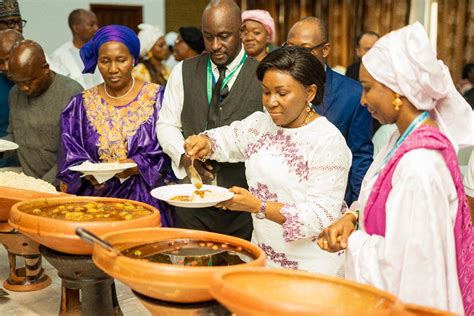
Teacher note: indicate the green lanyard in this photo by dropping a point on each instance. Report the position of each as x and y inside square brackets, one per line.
[226, 79]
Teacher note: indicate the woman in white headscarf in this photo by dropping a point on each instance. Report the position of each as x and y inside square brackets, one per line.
[415, 237]
[153, 53]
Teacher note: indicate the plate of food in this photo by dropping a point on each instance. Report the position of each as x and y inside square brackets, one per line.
[102, 171]
[6, 145]
[186, 195]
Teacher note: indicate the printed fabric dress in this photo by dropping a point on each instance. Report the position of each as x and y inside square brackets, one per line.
[93, 130]
[304, 168]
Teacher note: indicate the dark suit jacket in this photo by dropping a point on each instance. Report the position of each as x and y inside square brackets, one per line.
[353, 71]
[341, 106]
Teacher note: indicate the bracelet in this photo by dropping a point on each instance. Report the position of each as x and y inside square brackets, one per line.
[355, 213]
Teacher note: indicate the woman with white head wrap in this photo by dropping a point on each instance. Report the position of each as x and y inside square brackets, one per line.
[153, 53]
[416, 238]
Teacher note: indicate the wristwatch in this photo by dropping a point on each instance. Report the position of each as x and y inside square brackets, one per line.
[261, 211]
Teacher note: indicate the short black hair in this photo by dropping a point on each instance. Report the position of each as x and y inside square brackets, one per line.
[299, 63]
[75, 17]
[466, 70]
[366, 33]
[322, 24]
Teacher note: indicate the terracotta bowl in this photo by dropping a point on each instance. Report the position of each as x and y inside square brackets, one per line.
[10, 196]
[413, 310]
[60, 234]
[174, 283]
[288, 292]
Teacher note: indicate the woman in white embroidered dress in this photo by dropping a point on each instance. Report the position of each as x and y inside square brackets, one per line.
[416, 239]
[296, 162]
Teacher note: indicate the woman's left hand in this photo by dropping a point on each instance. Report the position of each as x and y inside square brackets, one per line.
[129, 172]
[243, 200]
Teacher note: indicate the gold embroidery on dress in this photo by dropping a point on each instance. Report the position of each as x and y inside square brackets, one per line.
[116, 124]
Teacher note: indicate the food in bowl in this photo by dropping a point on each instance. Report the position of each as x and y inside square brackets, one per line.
[187, 252]
[91, 211]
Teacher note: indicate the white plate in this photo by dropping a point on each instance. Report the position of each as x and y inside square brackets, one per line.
[102, 171]
[88, 167]
[7, 145]
[217, 194]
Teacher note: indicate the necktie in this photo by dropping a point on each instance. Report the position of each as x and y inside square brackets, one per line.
[214, 107]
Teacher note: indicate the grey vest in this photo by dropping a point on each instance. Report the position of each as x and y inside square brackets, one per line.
[244, 98]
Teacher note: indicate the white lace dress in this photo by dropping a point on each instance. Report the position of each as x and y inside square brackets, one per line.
[304, 168]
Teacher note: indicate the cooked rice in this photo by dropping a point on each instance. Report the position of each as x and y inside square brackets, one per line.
[22, 181]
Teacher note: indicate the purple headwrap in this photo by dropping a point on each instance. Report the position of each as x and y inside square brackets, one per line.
[117, 33]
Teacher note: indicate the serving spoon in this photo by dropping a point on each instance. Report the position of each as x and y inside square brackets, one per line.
[91, 238]
[194, 175]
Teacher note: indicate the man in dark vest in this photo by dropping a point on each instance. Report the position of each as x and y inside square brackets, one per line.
[207, 91]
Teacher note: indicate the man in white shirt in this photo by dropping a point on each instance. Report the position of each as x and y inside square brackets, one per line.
[211, 90]
[83, 25]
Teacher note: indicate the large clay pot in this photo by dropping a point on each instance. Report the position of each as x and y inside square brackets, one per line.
[11, 196]
[60, 234]
[175, 283]
[263, 291]
[414, 310]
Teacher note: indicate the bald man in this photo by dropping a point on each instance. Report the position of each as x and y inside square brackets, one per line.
[341, 102]
[196, 99]
[83, 25]
[36, 102]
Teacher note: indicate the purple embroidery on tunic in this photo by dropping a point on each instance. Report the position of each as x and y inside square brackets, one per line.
[279, 257]
[289, 150]
[292, 227]
[263, 193]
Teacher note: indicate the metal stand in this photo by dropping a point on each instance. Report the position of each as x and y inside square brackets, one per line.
[86, 290]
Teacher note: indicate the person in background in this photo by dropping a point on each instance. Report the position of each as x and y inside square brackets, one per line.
[170, 39]
[364, 43]
[258, 32]
[83, 25]
[189, 43]
[36, 102]
[10, 17]
[416, 238]
[153, 53]
[465, 86]
[296, 162]
[8, 38]
[115, 121]
[211, 90]
[341, 102]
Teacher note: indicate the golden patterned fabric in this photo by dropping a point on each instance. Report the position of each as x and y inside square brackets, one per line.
[116, 124]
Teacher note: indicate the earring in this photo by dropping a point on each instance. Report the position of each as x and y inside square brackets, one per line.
[397, 102]
[149, 55]
[308, 108]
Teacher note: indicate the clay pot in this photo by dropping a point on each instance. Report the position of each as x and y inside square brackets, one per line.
[413, 310]
[174, 283]
[60, 234]
[289, 292]
[10, 196]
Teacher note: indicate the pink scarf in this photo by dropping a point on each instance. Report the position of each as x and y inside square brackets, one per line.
[374, 212]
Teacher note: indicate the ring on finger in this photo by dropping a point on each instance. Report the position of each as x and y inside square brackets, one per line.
[224, 208]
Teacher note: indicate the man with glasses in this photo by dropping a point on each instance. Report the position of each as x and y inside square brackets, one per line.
[341, 102]
[10, 17]
[211, 90]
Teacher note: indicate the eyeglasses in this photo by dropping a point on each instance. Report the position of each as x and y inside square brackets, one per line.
[12, 23]
[310, 49]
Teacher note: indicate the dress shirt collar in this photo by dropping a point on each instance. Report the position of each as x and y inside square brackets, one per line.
[234, 64]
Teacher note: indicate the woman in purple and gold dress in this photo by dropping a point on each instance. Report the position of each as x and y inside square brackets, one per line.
[115, 121]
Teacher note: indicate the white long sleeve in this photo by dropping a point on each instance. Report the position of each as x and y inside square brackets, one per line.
[169, 128]
[416, 259]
